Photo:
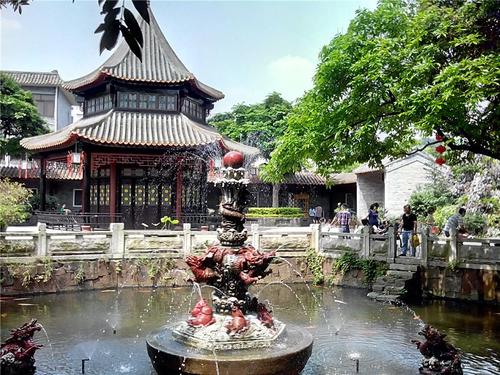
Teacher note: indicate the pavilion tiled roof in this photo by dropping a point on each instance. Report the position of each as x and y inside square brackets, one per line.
[46, 79]
[55, 171]
[159, 64]
[144, 129]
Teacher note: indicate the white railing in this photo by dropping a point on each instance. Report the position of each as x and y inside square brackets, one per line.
[290, 242]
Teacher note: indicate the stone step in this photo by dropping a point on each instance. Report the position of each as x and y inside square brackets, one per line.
[394, 290]
[388, 298]
[373, 295]
[406, 275]
[378, 287]
[408, 260]
[403, 267]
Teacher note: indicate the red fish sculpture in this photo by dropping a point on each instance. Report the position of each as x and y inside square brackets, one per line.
[238, 323]
[202, 315]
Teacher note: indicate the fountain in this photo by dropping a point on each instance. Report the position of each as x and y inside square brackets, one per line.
[237, 332]
[17, 352]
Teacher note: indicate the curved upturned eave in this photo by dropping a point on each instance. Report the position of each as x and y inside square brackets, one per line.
[160, 65]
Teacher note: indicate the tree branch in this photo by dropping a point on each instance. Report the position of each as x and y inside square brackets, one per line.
[422, 148]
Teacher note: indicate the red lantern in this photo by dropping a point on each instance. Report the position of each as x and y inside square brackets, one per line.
[440, 161]
[440, 149]
[439, 137]
[233, 159]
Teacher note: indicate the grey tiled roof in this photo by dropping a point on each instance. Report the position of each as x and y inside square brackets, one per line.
[35, 78]
[55, 171]
[136, 129]
[159, 64]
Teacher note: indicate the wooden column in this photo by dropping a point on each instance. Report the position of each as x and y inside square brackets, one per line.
[178, 191]
[86, 182]
[112, 191]
[43, 183]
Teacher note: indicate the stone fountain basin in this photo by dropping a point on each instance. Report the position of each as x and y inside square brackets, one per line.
[288, 356]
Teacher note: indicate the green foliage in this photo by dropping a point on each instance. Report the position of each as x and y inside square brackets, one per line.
[51, 202]
[80, 274]
[13, 203]
[430, 197]
[315, 263]
[286, 212]
[453, 265]
[371, 268]
[19, 117]
[403, 71]
[167, 221]
[475, 223]
[257, 125]
[443, 213]
[156, 267]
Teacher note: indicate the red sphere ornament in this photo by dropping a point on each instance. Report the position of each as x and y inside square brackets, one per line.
[233, 159]
[440, 149]
[440, 161]
[439, 137]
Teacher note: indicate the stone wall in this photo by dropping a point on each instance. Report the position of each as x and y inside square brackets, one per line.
[40, 277]
[369, 189]
[482, 285]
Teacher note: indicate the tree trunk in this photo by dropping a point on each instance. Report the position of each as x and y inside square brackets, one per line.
[276, 195]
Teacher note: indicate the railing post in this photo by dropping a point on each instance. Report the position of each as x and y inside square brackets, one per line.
[316, 237]
[453, 248]
[117, 240]
[392, 248]
[42, 240]
[186, 227]
[424, 246]
[365, 242]
[255, 236]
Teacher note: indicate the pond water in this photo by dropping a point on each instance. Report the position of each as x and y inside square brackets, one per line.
[343, 321]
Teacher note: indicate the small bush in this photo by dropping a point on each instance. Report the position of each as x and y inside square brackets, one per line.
[429, 198]
[315, 263]
[475, 223]
[442, 214]
[371, 268]
[14, 203]
[286, 212]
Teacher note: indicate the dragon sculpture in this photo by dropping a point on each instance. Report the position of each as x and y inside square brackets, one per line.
[440, 356]
[16, 353]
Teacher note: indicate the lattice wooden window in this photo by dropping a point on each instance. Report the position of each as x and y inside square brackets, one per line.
[152, 195]
[139, 195]
[126, 196]
[104, 195]
[93, 195]
[166, 196]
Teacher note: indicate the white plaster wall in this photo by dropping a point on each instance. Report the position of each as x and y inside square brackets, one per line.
[402, 178]
[369, 189]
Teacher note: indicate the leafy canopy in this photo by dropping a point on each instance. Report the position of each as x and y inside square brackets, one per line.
[19, 116]
[405, 71]
[257, 125]
[14, 202]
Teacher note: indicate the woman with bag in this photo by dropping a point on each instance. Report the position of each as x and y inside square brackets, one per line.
[409, 231]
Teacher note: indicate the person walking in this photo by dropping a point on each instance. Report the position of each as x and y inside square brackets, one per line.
[343, 219]
[319, 213]
[312, 215]
[408, 229]
[455, 226]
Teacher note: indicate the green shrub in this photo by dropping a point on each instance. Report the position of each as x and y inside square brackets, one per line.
[442, 214]
[475, 223]
[287, 212]
[315, 263]
[430, 197]
[14, 200]
[371, 268]
[51, 202]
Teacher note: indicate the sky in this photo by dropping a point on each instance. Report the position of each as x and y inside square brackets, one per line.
[246, 49]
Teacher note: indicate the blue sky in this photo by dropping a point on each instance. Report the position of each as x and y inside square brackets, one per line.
[247, 49]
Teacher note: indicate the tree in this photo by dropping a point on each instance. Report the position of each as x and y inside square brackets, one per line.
[117, 20]
[13, 203]
[405, 71]
[257, 125]
[18, 115]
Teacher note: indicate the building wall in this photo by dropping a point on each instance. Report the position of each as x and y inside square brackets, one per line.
[50, 120]
[63, 110]
[369, 189]
[402, 178]
[63, 191]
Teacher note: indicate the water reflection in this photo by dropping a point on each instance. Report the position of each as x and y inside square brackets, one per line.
[343, 321]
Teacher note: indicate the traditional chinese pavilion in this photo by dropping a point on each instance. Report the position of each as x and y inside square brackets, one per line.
[143, 145]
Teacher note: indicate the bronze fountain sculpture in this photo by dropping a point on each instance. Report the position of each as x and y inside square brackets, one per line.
[237, 334]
